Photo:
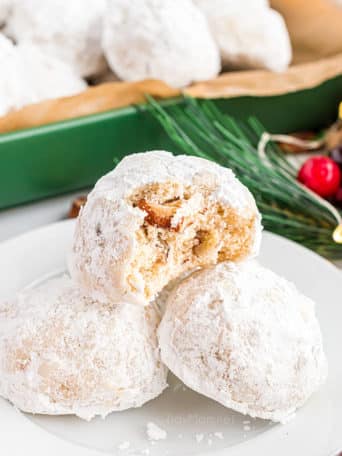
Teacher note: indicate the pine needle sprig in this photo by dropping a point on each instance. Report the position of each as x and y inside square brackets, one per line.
[200, 128]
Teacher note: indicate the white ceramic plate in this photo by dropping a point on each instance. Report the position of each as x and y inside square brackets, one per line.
[186, 416]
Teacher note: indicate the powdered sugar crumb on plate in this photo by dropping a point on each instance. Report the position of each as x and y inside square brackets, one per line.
[199, 437]
[219, 435]
[124, 445]
[154, 432]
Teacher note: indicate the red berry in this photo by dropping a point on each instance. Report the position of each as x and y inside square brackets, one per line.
[321, 174]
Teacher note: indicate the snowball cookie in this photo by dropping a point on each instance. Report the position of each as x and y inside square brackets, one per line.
[248, 33]
[68, 30]
[28, 76]
[63, 353]
[245, 337]
[157, 216]
[161, 39]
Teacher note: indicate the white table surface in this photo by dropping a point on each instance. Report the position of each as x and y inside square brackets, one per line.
[27, 217]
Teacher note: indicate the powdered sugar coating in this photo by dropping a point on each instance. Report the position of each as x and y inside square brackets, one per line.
[163, 39]
[104, 241]
[245, 337]
[163, 296]
[63, 353]
[28, 76]
[68, 30]
[161, 166]
[248, 33]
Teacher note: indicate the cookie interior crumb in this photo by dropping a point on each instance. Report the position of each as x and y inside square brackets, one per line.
[184, 229]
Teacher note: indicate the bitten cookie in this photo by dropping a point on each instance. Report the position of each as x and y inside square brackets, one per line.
[245, 337]
[155, 217]
[63, 353]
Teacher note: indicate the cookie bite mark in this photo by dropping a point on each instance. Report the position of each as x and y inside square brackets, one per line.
[184, 228]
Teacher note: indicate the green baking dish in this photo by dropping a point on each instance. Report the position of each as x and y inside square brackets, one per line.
[71, 155]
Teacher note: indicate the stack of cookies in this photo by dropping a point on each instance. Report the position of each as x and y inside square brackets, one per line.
[162, 276]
